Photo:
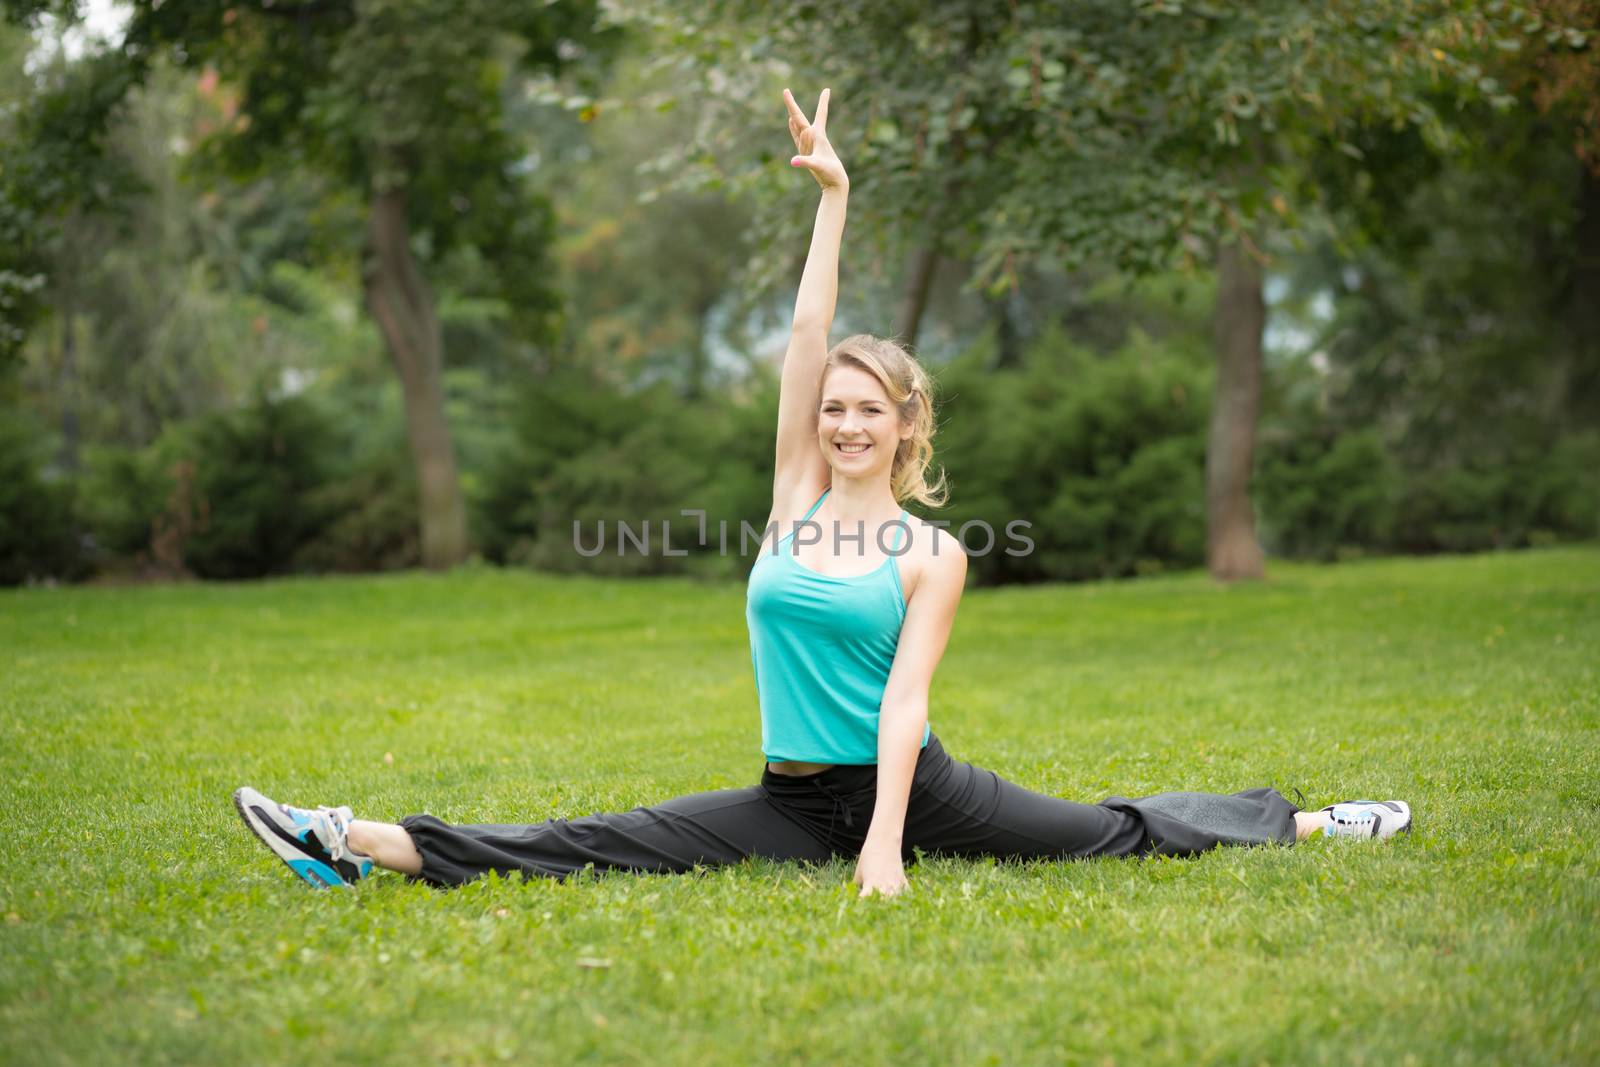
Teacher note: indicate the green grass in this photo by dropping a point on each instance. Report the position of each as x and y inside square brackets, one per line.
[142, 923]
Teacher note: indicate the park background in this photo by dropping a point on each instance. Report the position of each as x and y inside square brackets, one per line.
[1289, 312]
[279, 301]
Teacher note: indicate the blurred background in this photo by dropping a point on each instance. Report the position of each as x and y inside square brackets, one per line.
[358, 285]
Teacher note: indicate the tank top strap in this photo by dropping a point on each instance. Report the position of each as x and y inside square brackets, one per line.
[818, 504]
[905, 528]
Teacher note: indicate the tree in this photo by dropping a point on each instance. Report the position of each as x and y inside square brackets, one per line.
[53, 164]
[1139, 135]
[1464, 323]
[648, 275]
[400, 101]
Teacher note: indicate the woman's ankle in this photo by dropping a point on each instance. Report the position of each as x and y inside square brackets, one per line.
[1307, 823]
[388, 845]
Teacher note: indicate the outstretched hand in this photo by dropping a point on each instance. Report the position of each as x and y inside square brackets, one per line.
[880, 870]
[811, 140]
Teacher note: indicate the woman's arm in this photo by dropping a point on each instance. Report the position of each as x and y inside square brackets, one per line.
[904, 712]
[800, 469]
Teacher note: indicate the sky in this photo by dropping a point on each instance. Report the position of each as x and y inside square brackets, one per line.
[103, 21]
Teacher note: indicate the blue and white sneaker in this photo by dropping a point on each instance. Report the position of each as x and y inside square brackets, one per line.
[313, 842]
[1368, 818]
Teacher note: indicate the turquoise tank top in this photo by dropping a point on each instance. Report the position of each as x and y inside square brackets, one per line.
[822, 646]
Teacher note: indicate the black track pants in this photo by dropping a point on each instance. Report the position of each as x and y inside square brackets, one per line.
[955, 808]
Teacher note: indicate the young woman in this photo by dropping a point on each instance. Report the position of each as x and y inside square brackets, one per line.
[848, 612]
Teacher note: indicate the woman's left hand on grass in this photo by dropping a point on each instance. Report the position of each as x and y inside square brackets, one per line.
[879, 869]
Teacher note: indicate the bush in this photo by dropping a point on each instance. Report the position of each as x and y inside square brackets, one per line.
[257, 473]
[1536, 495]
[122, 496]
[236, 494]
[371, 515]
[38, 535]
[1325, 494]
[1326, 497]
[1104, 455]
[589, 453]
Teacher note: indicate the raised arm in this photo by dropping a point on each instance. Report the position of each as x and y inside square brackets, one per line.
[800, 471]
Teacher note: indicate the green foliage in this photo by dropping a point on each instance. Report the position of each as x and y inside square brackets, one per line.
[371, 518]
[1540, 494]
[198, 298]
[1457, 366]
[38, 532]
[1322, 498]
[257, 472]
[646, 272]
[1325, 495]
[1104, 455]
[386, 95]
[53, 165]
[123, 494]
[277, 486]
[592, 454]
[1091, 132]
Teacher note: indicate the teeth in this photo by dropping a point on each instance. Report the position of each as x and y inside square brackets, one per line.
[853, 448]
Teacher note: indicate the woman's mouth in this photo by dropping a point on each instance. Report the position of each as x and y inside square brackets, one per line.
[852, 449]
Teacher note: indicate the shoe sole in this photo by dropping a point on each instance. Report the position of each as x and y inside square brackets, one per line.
[308, 869]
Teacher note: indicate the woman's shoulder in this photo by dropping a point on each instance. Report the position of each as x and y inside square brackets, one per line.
[933, 552]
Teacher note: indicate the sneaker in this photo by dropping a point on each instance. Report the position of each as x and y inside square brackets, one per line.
[314, 843]
[1368, 818]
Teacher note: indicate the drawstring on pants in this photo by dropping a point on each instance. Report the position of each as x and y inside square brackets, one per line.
[838, 803]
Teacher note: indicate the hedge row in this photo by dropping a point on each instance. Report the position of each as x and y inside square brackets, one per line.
[1102, 456]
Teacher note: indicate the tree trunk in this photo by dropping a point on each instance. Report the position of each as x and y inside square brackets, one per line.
[399, 299]
[915, 301]
[1008, 345]
[1232, 552]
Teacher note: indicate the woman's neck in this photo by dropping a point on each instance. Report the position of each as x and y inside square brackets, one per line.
[853, 500]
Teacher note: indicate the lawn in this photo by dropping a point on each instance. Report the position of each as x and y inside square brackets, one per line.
[143, 923]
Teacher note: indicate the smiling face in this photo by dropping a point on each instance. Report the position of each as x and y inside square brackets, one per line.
[858, 428]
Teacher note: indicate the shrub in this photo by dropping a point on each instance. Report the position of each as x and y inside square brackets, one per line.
[258, 470]
[371, 514]
[589, 453]
[1536, 495]
[1324, 497]
[38, 535]
[1104, 455]
[235, 494]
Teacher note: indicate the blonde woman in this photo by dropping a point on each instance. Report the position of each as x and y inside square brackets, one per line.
[849, 611]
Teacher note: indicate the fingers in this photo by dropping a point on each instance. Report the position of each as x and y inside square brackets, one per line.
[794, 110]
[880, 891]
[799, 116]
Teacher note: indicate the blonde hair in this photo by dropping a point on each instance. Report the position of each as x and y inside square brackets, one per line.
[910, 390]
